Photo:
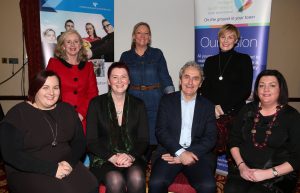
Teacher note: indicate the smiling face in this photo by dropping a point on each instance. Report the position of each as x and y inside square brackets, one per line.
[118, 81]
[268, 90]
[72, 44]
[48, 94]
[190, 82]
[142, 36]
[89, 29]
[227, 40]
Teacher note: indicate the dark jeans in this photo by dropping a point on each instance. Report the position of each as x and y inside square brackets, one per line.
[200, 175]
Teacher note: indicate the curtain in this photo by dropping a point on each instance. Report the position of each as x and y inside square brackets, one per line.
[30, 13]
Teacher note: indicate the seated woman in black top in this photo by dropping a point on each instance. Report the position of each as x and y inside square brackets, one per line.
[117, 135]
[42, 141]
[264, 141]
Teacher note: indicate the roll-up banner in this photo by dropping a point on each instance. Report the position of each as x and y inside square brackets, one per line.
[252, 17]
[54, 15]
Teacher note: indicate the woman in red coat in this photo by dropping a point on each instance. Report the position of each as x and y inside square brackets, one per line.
[78, 81]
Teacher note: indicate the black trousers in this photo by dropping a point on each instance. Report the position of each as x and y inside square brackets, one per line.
[200, 175]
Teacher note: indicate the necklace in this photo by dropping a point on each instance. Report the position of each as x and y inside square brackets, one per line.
[54, 132]
[268, 131]
[225, 66]
[119, 113]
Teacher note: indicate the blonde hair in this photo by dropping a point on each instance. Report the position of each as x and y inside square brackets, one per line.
[229, 27]
[60, 51]
[134, 31]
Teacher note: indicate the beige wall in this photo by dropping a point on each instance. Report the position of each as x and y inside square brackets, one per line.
[284, 52]
[11, 47]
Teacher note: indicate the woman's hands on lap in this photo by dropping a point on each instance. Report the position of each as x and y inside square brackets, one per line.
[63, 170]
[122, 160]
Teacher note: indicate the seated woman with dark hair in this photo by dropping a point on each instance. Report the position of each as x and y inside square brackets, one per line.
[117, 135]
[264, 141]
[42, 141]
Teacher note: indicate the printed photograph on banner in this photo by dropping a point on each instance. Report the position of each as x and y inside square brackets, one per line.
[92, 19]
[100, 69]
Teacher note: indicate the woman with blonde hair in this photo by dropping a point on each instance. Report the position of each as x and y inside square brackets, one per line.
[78, 80]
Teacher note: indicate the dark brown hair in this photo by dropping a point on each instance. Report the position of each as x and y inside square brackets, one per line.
[117, 65]
[38, 81]
[283, 89]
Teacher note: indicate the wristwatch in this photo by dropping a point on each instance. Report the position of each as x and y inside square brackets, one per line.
[275, 172]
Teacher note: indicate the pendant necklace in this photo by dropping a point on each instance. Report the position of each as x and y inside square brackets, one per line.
[53, 131]
[225, 66]
[119, 113]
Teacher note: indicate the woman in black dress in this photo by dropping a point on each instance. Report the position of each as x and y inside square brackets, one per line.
[42, 141]
[264, 141]
[117, 135]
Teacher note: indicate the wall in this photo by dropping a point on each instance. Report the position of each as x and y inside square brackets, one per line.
[172, 23]
[172, 27]
[11, 47]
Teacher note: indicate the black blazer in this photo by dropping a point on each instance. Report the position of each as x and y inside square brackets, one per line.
[97, 131]
[168, 128]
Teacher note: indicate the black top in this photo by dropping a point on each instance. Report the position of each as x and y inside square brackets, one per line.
[236, 70]
[26, 138]
[100, 132]
[104, 48]
[30, 159]
[283, 144]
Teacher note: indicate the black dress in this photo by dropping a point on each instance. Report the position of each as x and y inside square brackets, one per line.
[31, 161]
[105, 138]
[234, 89]
[283, 145]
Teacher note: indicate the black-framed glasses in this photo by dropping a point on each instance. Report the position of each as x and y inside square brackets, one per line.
[106, 26]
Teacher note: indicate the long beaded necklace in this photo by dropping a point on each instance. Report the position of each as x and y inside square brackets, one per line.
[268, 131]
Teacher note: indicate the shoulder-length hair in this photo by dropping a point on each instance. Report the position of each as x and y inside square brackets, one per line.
[283, 89]
[38, 81]
[134, 31]
[60, 52]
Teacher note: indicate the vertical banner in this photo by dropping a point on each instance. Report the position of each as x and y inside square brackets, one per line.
[93, 19]
[252, 17]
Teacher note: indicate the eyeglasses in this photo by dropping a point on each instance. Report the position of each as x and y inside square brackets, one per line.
[106, 26]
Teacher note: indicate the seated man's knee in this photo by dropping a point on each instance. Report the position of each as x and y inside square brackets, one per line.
[158, 183]
[205, 187]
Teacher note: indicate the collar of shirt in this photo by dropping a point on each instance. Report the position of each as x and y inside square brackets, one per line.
[187, 115]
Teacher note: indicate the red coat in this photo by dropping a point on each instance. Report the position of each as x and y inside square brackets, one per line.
[78, 83]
